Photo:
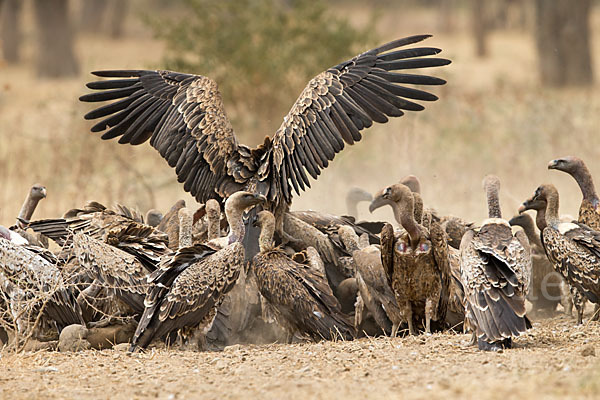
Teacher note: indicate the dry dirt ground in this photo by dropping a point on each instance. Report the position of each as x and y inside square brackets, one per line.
[556, 359]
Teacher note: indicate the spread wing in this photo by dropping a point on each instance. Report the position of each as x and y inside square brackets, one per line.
[184, 119]
[342, 101]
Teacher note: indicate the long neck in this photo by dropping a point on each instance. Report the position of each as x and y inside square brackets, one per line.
[185, 229]
[28, 207]
[214, 226]
[236, 224]
[352, 207]
[552, 218]
[418, 207]
[265, 240]
[404, 213]
[493, 202]
[527, 225]
[540, 219]
[586, 184]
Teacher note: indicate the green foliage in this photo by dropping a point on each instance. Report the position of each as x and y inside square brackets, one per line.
[260, 52]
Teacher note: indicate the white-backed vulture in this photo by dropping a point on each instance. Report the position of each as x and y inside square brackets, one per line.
[183, 117]
[296, 294]
[576, 298]
[548, 288]
[188, 286]
[495, 271]
[372, 284]
[416, 263]
[31, 283]
[573, 248]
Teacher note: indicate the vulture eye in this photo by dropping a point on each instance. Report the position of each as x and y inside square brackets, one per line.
[401, 247]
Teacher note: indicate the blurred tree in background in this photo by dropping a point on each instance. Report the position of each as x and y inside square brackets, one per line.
[56, 57]
[563, 42]
[261, 53]
[10, 12]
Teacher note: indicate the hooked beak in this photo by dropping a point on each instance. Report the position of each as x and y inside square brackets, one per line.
[523, 207]
[44, 192]
[553, 164]
[379, 201]
[260, 199]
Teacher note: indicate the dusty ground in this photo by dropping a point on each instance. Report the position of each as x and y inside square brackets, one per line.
[554, 360]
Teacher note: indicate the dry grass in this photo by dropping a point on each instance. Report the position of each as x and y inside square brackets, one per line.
[553, 361]
[492, 117]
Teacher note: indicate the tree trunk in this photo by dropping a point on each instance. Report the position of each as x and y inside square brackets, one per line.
[563, 42]
[480, 28]
[55, 39]
[10, 12]
[117, 15]
[92, 15]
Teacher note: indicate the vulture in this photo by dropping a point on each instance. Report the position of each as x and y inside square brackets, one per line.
[36, 193]
[189, 285]
[576, 298]
[31, 283]
[548, 288]
[115, 272]
[183, 117]
[153, 217]
[495, 272]
[573, 248]
[589, 211]
[122, 228]
[374, 291]
[416, 263]
[296, 295]
[354, 196]
[169, 224]
[454, 227]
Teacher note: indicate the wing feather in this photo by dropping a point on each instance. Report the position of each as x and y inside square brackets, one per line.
[338, 103]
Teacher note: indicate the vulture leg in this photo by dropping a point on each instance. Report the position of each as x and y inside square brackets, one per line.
[579, 303]
[429, 313]
[408, 315]
[359, 308]
[566, 299]
[596, 316]
[86, 298]
[395, 327]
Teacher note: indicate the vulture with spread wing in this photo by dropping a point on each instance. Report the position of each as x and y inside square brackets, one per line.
[184, 118]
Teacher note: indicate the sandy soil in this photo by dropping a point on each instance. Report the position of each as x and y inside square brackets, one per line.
[555, 359]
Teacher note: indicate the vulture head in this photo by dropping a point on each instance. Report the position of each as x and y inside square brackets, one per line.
[153, 217]
[37, 192]
[568, 164]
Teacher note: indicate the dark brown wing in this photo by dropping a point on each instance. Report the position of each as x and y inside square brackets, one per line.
[492, 280]
[184, 119]
[439, 241]
[387, 251]
[186, 289]
[300, 295]
[340, 102]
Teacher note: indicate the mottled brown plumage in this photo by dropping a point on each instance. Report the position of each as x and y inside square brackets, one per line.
[183, 117]
[297, 295]
[28, 279]
[416, 263]
[189, 284]
[495, 272]
[169, 224]
[373, 287]
[573, 248]
[122, 228]
[589, 211]
[548, 288]
[575, 298]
